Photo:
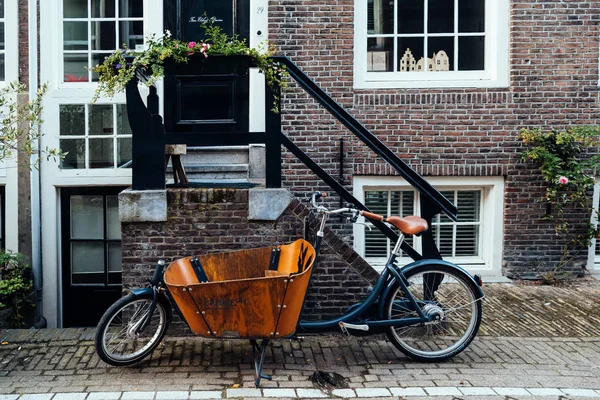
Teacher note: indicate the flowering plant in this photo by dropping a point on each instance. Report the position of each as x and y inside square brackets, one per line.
[122, 65]
[567, 160]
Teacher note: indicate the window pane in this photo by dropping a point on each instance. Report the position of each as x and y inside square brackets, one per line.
[1, 35]
[2, 75]
[376, 243]
[103, 36]
[443, 236]
[377, 201]
[75, 159]
[75, 8]
[402, 203]
[471, 53]
[101, 153]
[72, 120]
[410, 51]
[114, 257]
[97, 58]
[471, 15]
[75, 35]
[441, 16]
[123, 127]
[75, 65]
[87, 217]
[442, 51]
[1, 8]
[87, 258]
[380, 14]
[101, 120]
[132, 34]
[411, 16]
[468, 206]
[467, 240]
[124, 148]
[103, 8]
[131, 8]
[113, 225]
[380, 52]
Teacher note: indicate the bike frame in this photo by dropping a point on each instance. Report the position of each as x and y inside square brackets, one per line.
[392, 274]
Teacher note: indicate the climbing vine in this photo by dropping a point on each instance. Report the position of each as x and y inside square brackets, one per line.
[568, 160]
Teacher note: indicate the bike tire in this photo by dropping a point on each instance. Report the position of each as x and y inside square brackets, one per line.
[435, 341]
[115, 341]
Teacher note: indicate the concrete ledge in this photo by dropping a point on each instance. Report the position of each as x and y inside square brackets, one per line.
[268, 204]
[143, 206]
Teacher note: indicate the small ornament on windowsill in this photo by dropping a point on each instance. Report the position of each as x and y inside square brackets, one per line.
[439, 62]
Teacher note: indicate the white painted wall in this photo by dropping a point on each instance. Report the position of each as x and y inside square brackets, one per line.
[51, 177]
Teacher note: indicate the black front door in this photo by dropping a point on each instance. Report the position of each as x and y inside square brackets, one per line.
[206, 100]
[91, 253]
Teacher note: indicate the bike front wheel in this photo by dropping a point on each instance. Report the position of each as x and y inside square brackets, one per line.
[118, 339]
[448, 295]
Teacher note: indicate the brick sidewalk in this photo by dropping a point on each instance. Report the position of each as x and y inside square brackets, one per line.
[534, 341]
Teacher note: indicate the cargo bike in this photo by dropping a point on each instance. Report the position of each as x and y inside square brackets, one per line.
[429, 309]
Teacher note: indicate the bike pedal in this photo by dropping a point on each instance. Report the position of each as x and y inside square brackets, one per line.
[344, 329]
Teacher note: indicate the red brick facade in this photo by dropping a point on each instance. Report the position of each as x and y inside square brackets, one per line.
[449, 132]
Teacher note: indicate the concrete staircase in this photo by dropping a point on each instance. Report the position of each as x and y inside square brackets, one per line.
[222, 164]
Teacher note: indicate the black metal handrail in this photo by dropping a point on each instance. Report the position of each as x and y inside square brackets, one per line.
[435, 198]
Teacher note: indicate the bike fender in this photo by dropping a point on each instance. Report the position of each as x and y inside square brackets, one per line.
[420, 263]
[139, 292]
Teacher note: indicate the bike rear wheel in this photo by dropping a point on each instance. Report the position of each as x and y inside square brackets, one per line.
[117, 340]
[451, 297]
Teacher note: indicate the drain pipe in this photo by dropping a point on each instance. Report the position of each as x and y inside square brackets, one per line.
[36, 181]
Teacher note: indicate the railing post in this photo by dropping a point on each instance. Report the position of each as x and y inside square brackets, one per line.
[148, 142]
[272, 141]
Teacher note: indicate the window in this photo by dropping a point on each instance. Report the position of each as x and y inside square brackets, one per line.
[426, 43]
[95, 136]
[9, 51]
[95, 239]
[92, 29]
[474, 241]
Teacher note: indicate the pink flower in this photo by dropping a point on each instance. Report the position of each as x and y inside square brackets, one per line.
[204, 48]
[563, 180]
[191, 45]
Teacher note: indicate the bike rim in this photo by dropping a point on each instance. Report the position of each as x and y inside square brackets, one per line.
[119, 343]
[454, 301]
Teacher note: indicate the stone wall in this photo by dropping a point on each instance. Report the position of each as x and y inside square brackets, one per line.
[204, 221]
[554, 49]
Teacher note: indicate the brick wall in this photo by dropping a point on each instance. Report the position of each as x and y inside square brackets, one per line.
[204, 221]
[449, 132]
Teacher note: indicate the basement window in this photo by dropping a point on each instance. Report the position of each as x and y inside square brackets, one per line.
[474, 241]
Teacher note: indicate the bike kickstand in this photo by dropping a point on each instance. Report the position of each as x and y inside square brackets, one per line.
[259, 352]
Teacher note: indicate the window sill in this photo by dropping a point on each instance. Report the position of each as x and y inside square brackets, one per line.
[430, 84]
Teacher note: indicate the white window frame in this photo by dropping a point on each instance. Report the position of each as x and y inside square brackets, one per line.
[496, 73]
[89, 50]
[11, 42]
[492, 211]
[593, 257]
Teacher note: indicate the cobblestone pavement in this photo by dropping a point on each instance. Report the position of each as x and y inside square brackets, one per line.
[535, 343]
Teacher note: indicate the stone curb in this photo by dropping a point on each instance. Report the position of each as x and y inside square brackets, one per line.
[513, 392]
